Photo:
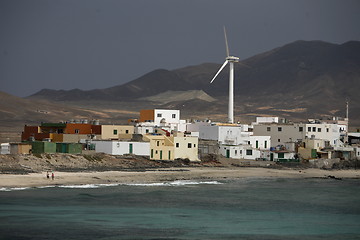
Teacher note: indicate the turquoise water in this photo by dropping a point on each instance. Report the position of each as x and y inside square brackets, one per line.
[243, 209]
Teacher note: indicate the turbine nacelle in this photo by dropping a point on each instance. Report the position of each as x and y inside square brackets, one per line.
[232, 59]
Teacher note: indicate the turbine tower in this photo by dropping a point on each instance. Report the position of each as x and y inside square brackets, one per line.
[231, 60]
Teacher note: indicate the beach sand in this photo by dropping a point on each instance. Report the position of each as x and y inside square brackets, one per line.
[164, 175]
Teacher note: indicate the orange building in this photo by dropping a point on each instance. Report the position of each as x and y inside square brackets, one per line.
[147, 115]
[54, 131]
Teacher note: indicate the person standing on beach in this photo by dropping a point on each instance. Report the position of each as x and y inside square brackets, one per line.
[52, 176]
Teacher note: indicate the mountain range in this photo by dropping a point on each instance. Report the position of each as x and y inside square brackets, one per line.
[303, 79]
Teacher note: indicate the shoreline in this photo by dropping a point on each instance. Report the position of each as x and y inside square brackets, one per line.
[201, 174]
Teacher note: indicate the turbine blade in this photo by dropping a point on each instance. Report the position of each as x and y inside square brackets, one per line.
[222, 67]
[226, 43]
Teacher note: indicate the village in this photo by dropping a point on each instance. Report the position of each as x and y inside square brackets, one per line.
[161, 135]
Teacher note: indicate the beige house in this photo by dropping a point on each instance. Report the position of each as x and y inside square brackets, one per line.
[123, 132]
[311, 147]
[173, 147]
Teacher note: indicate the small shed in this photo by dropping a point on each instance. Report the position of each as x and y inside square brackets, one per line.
[74, 148]
[43, 147]
[20, 148]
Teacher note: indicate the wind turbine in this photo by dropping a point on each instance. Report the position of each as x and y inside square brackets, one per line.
[231, 60]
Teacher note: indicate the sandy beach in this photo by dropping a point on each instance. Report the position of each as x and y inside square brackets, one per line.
[164, 175]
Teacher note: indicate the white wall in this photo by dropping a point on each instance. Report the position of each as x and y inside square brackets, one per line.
[167, 115]
[121, 148]
[325, 131]
[240, 152]
[5, 148]
[195, 126]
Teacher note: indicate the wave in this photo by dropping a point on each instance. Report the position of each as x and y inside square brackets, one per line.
[89, 186]
[4, 189]
[174, 183]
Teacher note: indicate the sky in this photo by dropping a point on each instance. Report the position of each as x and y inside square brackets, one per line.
[90, 44]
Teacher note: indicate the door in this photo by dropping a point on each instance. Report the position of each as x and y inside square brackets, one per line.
[160, 154]
[130, 148]
[228, 153]
[271, 157]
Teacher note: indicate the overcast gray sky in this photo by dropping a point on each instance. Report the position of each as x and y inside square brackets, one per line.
[89, 44]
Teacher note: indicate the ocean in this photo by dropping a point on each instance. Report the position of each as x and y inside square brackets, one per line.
[250, 208]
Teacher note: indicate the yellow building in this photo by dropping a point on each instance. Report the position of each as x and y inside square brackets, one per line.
[173, 147]
[123, 132]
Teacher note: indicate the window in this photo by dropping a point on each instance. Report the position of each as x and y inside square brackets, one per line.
[309, 129]
[159, 115]
[314, 129]
[174, 116]
[249, 142]
[194, 145]
[235, 152]
[115, 131]
[77, 130]
[265, 144]
[278, 139]
[257, 144]
[319, 129]
[249, 152]
[157, 143]
[127, 131]
[268, 129]
[147, 131]
[189, 145]
[177, 145]
[281, 155]
[279, 129]
[327, 129]
[240, 151]
[300, 129]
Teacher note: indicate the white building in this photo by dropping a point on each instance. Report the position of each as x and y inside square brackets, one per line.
[280, 133]
[163, 117]
[231, 134]
[121, 148]
[325, 131]
[239, 152]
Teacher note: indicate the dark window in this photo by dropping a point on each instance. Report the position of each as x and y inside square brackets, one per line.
[279, 129]
[314, 129]
[278, 139]
[319, 129]
[265, 144]
[309, 129]
[281, 155]
[127, 131]
[174, 116]
[189, 145]
[327, 129]
[115, 131]
[194, 145]
[300, 129]
[77, 130]
[177, 145]
[268, 129]
[159, 115]
[157, 143]
[248, 152]
[235, 152]
[147, 130]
